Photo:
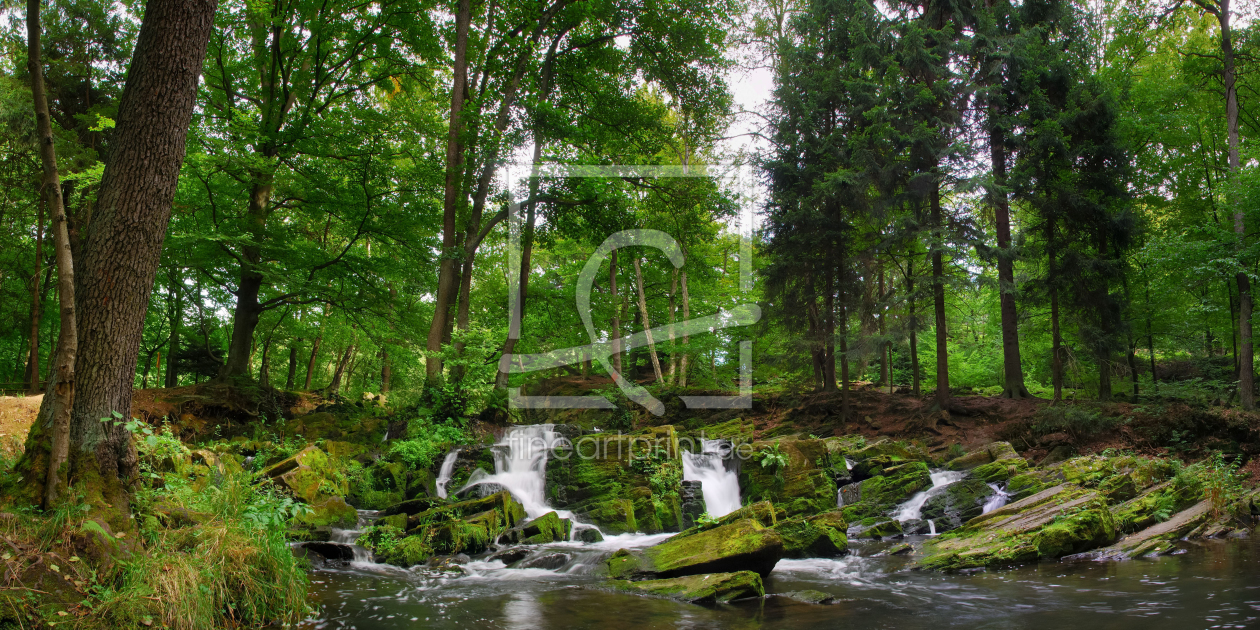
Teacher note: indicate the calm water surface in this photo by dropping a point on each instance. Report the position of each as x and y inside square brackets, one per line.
[1209, 584]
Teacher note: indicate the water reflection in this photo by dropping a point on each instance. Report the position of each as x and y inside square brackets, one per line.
[1214, 584]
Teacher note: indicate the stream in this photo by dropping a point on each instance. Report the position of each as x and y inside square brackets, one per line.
[1204, 584]
[1213, 584]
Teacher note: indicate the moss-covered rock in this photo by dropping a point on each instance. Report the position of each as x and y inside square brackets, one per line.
[1157, 504]
[877, 495]
[699, 589]
[1055, 522]
[742, 545]
[821, 536]
[804, 485]
[1000, 470]
[545, 529]
[957, 503]
[879, 529]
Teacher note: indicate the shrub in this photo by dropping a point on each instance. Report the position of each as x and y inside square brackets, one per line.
[1075, 420]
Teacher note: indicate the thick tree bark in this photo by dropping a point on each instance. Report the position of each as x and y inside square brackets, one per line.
[248, 310]
[452, 193]
[120, 252]
[32, 357]
[938, 299]
[647, 324]
[56, 411]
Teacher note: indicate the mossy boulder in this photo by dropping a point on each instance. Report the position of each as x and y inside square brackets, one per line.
[804, 485]
[877, 495]
[500, 506]
[331, 512]
[1058, 521]
[957, 503]
[1158, 503]
[763, 512]
[319, 480]
[607, 480]
[545, 529]
[879, 529]
[992, 452]
[821, 536]
[1001, 469]
[711, 588]
[465, 527]
[742, 545]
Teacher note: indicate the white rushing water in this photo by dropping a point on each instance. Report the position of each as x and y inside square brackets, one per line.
[348, 536]
[444, 475]
[520, 467]
[913, 508]
[719, 485]
[997, 499]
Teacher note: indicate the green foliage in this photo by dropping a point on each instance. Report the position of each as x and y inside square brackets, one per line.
[771, 457]
[427, 442]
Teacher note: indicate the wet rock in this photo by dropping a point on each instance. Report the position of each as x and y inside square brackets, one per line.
[466, 527]
[879, 529]
[763, 512]
[850, 494]
[903, 549]
[550, 562]
[413, 506]
[712, 588]
[821, 536]
[916, 527]
[692, 503]
[810, 597]
[589, 535]
[511, 556]
[545, 529]
[1059, 521]
[957, 503]
[329, 550]
[880, 494]
[742, 545]
[804, 486]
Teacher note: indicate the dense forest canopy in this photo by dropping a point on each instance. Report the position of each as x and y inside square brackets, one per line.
[1037, 198]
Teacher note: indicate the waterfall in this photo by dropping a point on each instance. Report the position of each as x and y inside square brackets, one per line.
[997, 500]
[931, 527]
[719, 485]
[912, 509]
[520, 467]
[348, 536]
[444, 475]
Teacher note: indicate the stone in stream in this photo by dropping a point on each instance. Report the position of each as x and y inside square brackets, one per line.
[742, 545]
[510, 556]
[810, 597]
[589, 535]
[713, 588]
[550, 562]
[821, 536]
[951, 506]
[692, 503]
[916, 527]
[878, 495]
[1056, 522]
[878, 529]
[328, 550]
[545, 529]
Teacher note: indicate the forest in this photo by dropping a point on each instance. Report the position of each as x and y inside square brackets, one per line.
[371, 242]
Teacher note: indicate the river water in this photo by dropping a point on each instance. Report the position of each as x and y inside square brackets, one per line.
[1207, 584]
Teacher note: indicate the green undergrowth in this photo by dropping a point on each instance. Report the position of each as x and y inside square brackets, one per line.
[210, 555]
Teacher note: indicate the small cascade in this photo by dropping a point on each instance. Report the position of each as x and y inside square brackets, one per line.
[931, 527]
[520, 467]
[912, 509]
[444, 475]
[348, 536]
[718, 483]
[997, 500]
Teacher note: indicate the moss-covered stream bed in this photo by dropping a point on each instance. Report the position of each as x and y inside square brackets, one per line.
[1205, 584]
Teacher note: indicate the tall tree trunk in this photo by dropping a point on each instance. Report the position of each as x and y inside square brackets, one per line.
[672, 375]
[884, 347]
[293, 356]
[120, 253]
[915, 376]
[647, 324]
[264, 371]
[1013, 369]
[1133, 366]
[56, 410]
[614, 334]
[844, 363]
[310, 365]
[938, 299]
[32, 359]
[248, 310]
[452, 193]
[527, 251]
[1056, 344]
[341, 368]
[686, 340]
[816, 343]
[829, 335]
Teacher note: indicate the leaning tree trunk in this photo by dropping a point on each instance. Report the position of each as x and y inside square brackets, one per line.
[121, 252]
[647, 324]
[56, 411]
